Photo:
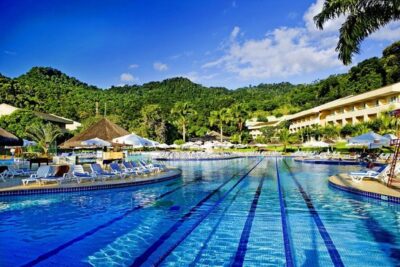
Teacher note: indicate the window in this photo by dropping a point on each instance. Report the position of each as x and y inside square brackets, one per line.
[393, 99]
[376, 103]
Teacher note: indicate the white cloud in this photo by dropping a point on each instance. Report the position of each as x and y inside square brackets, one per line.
[389, 33]
[287, 51]
[331, 26]
[235, 32]
[133, 66]
[127, 77]
[283, 52]
[160, 66]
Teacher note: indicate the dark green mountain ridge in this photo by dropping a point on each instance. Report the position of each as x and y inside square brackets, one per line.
[49, 90]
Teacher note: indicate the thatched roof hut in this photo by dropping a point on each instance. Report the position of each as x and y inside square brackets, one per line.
[103, 129]
[8, 139]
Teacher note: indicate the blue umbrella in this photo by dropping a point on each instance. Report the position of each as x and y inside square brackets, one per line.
[371, 140]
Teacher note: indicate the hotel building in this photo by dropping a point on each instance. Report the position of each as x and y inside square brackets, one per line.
[347, 110]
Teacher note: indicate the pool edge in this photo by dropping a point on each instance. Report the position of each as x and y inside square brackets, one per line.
[23, 192]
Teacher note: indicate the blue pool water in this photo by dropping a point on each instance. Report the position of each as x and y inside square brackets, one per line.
[251, 212]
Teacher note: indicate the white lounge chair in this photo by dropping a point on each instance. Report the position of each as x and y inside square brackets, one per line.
[116, 169]
[79, 174]
[153, 166]
[98, 172]
[51, 177]
[382, 175]
[127, 167]
[2, 176]
[12, 171]
[42, 172]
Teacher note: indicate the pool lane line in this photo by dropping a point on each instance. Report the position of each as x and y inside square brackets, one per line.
[244, 238]
[214, 229]
[140, 260]
[202, 218]
[285, 226]
[330, 246]
[91, 232]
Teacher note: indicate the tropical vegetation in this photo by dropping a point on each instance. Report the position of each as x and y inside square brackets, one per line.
[362, 18]
[177, 108]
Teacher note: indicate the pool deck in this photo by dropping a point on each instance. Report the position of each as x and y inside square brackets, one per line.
[367, 188]
[14, 186]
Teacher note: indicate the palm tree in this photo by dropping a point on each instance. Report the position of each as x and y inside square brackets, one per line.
[239, 114]
[362, 128]
[362, 19]
[284, 138]
[316, 130]
[387, 123]
[219, 118]
[331, 131]
[183, 113]
[44, 135]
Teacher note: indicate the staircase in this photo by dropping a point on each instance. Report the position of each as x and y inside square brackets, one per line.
[395, 143]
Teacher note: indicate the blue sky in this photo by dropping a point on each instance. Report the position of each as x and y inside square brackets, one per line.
[213, 42]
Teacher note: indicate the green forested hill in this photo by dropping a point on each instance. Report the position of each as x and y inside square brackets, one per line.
[49, 90]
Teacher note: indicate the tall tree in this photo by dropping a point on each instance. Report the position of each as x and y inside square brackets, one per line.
[183, 113]
[44, 135]
[239, 114]
[362, 18]
[152, 122]
[220, 118]
[284, 138]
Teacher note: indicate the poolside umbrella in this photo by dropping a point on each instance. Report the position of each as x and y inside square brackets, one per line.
[132, 140]
[316, 144]
[8, 139]
[371, 140]
[28, 143]
[151, 142]
[163, 146]
[390, 136]
[96, 142]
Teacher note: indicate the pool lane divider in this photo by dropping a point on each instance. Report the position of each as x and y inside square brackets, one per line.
[330, 246]
[214, 229]
[244, 238]
[285, 227]
[91, 232]
[140, 260]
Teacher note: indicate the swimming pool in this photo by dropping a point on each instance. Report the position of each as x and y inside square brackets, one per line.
[256, 211]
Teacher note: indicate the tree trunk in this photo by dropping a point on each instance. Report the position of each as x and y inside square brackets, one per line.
[240, 132]
[221, 133]
[184, 133]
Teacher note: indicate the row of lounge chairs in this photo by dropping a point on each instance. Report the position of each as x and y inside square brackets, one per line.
[47, 174]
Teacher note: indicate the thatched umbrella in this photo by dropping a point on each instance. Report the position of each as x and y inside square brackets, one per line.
[8, 139]
[103, 129]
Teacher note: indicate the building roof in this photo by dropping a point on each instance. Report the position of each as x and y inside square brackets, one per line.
[53, 118]
[103, 129]
[6, 109]
[8, 139]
